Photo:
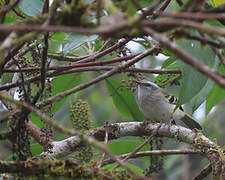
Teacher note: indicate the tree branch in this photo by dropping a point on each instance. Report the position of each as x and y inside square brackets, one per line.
[119, 130]
[115, 70]
[154, 152]
[186, 57]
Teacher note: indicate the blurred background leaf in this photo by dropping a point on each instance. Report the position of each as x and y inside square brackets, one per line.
[75, 40]
[63, 83]
[193, 81]
[124, 100]
[31, 7]
[216, 94]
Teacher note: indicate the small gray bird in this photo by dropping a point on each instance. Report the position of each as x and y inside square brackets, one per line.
[158, 106]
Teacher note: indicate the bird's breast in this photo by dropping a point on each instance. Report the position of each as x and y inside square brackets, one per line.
[157, 111]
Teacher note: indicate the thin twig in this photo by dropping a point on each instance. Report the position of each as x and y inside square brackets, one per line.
[220, 56]
[106, 43]
[142, 145]
[115, 70]
[203, 40]
[43, 67]
[161, 9]
[97, 68]
[106, 51]
[67, 58]
[204, 172]
[105, 143]
[51, 28]
[191, 15]
[154, 152]
[114, 157]
[8, 7]
[91, 68]
[75, 65]
[173, 23]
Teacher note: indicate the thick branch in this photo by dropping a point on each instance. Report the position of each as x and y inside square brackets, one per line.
[131, 129]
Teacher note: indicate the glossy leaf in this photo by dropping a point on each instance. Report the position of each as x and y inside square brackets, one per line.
[59, 36]
[63, 83]
[126, 146]
[31, 7]
[75, 40]
[197, 100]
[56, 42]
[193, 81]
[124, 100]
[216, 94]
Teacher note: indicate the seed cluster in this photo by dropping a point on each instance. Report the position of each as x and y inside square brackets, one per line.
[80, 116]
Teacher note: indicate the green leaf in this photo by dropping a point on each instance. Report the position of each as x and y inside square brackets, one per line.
[164, 79]
[192, 80]
[216, 94]
[36, 149]
[63, 83]
[98, 44]
[60, 84]
[124, 100]
[56, 42]
[214, 22]
[9, 19]
[168, 61]
[7, 77]
[31, 7]
[131, 8]
[37, 120]
[171, 58]
[75, 40]
[126, 146]
[144, 3]
[197, 100]
[59, 36]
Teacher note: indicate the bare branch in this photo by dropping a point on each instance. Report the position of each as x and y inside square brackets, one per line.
[154, 152]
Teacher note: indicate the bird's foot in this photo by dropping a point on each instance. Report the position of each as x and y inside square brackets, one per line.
[172, 122]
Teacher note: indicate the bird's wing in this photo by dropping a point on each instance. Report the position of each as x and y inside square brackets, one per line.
[161, 94]
[186, 118]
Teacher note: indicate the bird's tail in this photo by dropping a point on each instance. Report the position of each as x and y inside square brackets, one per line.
[190, 122]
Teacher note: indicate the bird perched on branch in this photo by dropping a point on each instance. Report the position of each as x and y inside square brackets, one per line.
[158, 105]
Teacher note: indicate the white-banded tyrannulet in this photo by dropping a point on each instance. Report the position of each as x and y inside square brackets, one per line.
[158, 106]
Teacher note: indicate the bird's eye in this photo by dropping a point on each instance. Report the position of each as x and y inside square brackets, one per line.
[147, 84]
